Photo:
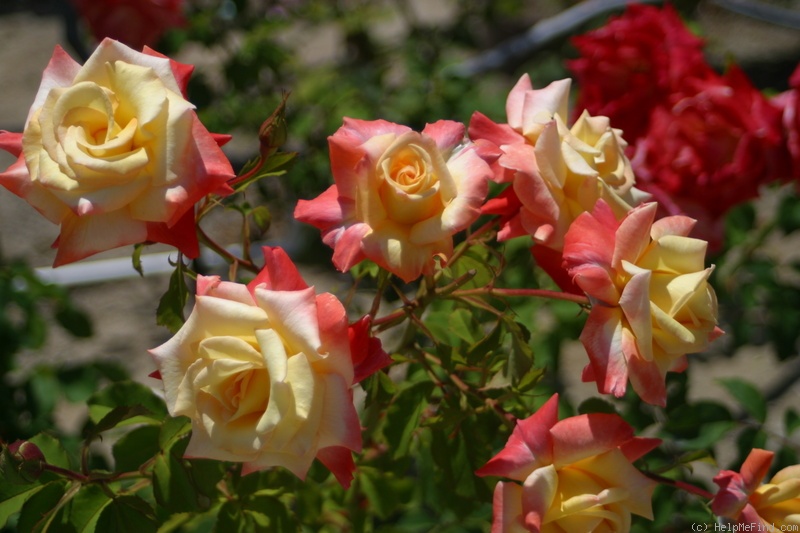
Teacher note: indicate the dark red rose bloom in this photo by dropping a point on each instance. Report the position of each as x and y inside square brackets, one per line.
[789, 103]
[711, 151]
[137, 23]
[634, 63]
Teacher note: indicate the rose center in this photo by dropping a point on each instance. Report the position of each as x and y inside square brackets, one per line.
[409, 190]
[245, 395]
[409, 170]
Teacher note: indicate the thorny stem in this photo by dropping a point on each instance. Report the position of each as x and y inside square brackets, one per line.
[75, 476]
[471, 238]
[247, 175]
[383, 280]
[387, 321]
[102, 477]
[507, 418]
[533, 293]
[225, 254]
[682, 485]
[136, 487]
[475, 302]
[209, 202]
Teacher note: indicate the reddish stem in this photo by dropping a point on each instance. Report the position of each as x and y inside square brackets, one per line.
[532, 293]
[682, 485]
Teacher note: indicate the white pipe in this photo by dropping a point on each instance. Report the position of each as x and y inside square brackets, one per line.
[88, 272]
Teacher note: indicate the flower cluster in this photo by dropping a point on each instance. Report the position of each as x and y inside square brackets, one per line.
[556, 173]
[702, 142]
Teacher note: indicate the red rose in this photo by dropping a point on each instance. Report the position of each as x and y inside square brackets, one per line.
[134, 22]
[711, 151]
[789, 103]
[635, 62]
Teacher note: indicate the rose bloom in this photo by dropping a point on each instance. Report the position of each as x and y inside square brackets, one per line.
[634, 63]
[743, 498]
[114, 153]
[556, 172]
[711, 151]
[137, 23]
[789, 104]
[265, 373]
[570, 475]
[399, 196]
[651, 300]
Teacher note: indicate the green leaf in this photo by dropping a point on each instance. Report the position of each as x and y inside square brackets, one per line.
[709, 434]
[41, 509]
[115, 417]
[135, 448]
[45, 389]
[376, 485]
[791, 420]
[127, 394]
[596, 405]
[172, 303]
[688, 420]
[519, 361]
[749, 438]
[189, 522]
[276, 165]
[748, 396]
[452, 326]
[53, 450]
[172, 431]
[172, 485]
[205, 475]
[404, 416]
[136, 258]
[789, 214]
[79, 383]
[231, 519]
[127, 514]
[262, 217]
[13, 497]
[475, 259]
[488, 344]
[452, 458]
[270, 512]
[380, 389]
[366, 268]
[87, 505]
[786, 456]
[74, 321]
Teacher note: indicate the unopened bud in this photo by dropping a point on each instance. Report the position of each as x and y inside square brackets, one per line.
[273, 131]
[23, 462]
